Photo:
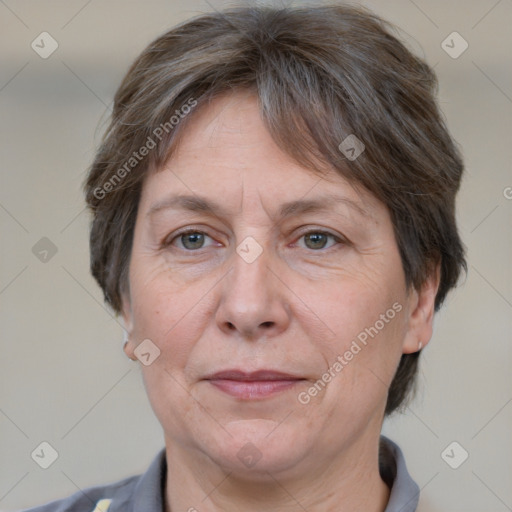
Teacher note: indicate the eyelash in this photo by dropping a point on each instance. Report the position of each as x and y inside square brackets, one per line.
[339, 240]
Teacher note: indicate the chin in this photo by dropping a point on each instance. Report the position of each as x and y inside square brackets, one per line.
[258, 447]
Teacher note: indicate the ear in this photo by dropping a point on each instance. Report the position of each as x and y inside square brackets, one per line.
[421, 314]
[127, 314]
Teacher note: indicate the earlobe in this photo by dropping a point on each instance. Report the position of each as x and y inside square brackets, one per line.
[421, 314]
[129, 350]
[128, 346]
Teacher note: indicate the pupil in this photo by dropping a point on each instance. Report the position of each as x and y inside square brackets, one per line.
[316, 240]
[192, 240]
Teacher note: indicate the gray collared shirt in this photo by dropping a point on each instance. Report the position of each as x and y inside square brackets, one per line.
[145, 493]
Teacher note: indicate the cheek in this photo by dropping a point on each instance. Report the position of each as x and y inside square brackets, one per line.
[173, 317]
[349, 306]
[169, 312]
[365, 326]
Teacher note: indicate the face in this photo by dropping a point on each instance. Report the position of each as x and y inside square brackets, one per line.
[274, 297]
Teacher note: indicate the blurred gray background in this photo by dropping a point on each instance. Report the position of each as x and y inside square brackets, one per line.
[64, 379]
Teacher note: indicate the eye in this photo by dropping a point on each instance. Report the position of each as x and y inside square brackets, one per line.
[192, 240]
[318, 240]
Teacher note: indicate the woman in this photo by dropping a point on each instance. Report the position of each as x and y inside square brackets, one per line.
[273, 217]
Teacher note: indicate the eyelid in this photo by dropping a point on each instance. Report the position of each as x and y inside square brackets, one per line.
[312, 229]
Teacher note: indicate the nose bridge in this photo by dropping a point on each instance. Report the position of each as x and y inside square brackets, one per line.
[250, 279]
[252, 302]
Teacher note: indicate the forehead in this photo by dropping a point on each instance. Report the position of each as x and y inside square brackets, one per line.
[225, 151]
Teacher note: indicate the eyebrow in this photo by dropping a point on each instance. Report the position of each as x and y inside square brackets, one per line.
[323, 203]
[299, 206]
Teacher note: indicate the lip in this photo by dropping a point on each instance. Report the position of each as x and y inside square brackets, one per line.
[254, 385]
[258, 375]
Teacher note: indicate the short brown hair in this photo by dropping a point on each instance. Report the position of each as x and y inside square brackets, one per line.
[321, 74]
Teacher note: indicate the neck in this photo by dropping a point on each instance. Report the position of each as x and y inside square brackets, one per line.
[350, 482]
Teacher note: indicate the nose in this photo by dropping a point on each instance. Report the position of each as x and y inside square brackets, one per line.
[253, 302]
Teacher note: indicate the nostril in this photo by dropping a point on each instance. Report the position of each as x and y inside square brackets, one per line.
[265, 325]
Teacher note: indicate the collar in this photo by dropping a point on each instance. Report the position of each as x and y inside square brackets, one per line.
[405, 492]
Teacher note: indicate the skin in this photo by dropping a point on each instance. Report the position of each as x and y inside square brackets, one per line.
[295, 309]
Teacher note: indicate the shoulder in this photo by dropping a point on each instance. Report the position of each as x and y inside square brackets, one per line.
[121, 496]
[90, 500]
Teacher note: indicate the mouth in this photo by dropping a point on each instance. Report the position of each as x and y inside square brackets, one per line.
[253, 385]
